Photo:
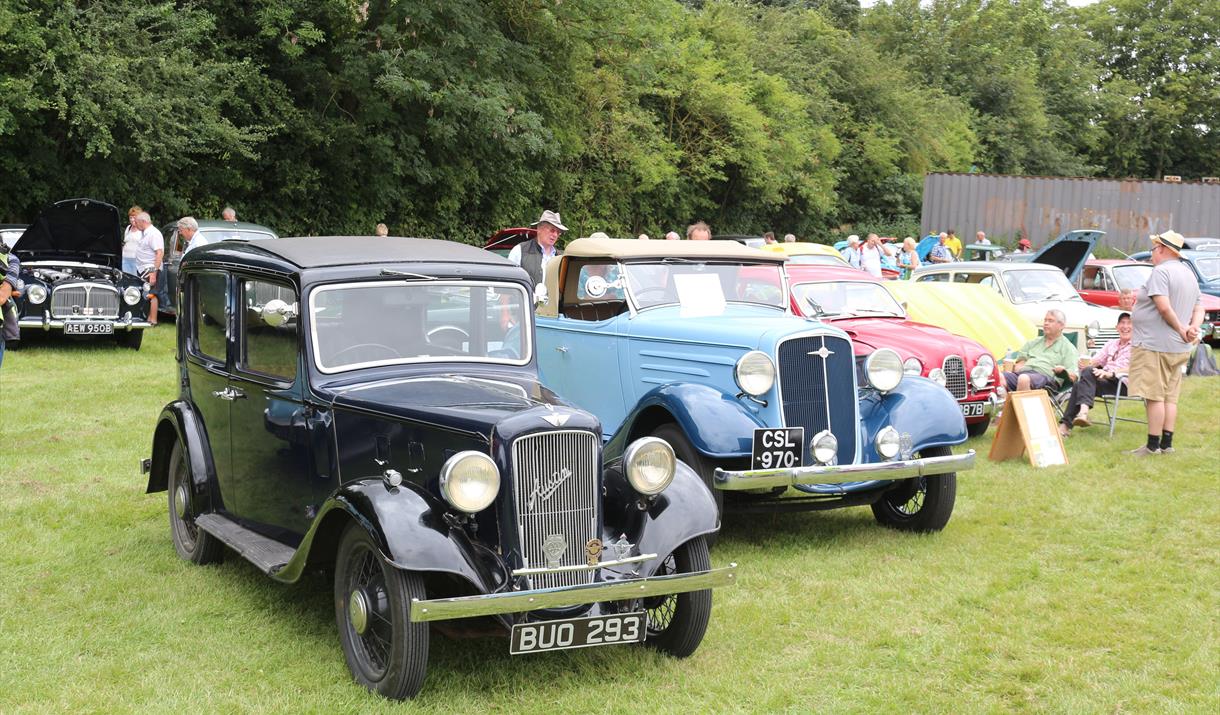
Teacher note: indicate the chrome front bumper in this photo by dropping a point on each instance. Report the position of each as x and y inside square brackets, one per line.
[837, 474]
[491, 604]
[49, 323]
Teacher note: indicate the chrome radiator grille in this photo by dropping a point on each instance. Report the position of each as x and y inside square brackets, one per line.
[955, 376]
[555, 477]
[1103, 336]
[818, 390]
[85, 301]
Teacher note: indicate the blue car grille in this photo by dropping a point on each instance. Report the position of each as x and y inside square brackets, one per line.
[818, 392]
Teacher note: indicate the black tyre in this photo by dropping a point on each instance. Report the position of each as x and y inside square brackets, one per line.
[386, 652]
[978, 428]
[130, 339]
[920, 503]
[684, 451]
[191, 542]
[677, 622]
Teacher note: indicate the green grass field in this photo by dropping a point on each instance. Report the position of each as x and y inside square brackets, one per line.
[1088, 588]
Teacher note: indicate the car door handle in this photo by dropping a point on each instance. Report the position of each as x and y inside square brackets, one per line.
[229, 393]
[561, 348]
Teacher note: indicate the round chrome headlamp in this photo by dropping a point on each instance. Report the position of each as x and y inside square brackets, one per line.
[35, 293]
[470, 481]
[650, 465]
[755, 373]
[132, 295]
[825, 446]
[937, 375]
[912, 366]
[980, 374]
[883, 369]
[887, 442]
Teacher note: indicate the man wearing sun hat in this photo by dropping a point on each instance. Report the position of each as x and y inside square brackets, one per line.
[1166, 321]
[534, 255]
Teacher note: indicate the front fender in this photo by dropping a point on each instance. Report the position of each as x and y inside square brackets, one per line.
[409, 527]
[917, 407]
[717, 423]
[683, 511]
[180, 423]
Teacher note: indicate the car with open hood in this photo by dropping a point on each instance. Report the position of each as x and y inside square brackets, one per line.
[859, 304]
[1036, 286]
[693, 342]
[72, 280]
[373, 407]
[212, 231]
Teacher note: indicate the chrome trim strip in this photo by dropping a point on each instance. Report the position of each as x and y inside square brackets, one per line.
[836, 474]
[490, 604]
[585, 567]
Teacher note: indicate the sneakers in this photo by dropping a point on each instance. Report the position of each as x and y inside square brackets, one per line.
[1143, 451]
[1167, 450]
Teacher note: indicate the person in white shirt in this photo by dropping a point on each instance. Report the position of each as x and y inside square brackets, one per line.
[150, 250]
[533, 255]
[870, 255]
[188, 229]
[981, 239]
[131, 237]
[228, 214]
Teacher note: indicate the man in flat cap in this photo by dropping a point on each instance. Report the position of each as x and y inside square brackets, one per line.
[1166, 322]
[534, 255]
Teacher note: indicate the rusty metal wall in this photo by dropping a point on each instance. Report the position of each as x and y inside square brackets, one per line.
[1042, 207]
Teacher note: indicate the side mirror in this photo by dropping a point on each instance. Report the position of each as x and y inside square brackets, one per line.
[276, 312]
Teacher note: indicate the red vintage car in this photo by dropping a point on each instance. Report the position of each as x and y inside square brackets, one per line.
[858, 304]
[1102, 279]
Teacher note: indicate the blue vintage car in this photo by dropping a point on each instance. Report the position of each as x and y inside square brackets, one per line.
[693, 342]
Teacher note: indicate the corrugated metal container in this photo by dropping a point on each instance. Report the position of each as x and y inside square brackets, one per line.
[1042, 207]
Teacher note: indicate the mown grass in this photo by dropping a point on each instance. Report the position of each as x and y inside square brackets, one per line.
[1088, 588]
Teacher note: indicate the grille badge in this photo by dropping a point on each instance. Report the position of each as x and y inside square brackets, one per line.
[544, 489]
[554, 548]
[821, 352]
[556, 418]
[593, 551]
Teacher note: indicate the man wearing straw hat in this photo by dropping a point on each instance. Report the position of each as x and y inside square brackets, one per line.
[1166, 321]
[534, 255]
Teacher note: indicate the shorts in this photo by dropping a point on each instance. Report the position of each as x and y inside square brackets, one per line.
[1037, 381]
[1156, 376]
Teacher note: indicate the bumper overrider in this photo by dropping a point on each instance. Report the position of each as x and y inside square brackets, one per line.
[442, 609]
[835, 474]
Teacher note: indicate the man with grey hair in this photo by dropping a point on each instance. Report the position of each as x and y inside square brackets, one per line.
[150, 251]
[1046, 359]
[188, 230]
[698, 231]
[789, 238]
[851, 252]
[672, 236]
[228, 214]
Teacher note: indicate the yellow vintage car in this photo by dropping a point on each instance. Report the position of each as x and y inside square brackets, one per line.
[807, 253]
[967, 309]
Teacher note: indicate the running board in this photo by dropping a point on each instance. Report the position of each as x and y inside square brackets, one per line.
[267, 554]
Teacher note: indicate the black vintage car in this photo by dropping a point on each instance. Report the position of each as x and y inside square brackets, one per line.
[71, 274]
[372, 405]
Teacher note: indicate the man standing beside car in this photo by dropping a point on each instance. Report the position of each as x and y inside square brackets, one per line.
[534, 255]
[188, 229]
[1166, 320]
[10, 269]
[149, 253]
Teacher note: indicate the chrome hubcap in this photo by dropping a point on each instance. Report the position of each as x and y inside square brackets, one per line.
[180, 502]
[358, 611]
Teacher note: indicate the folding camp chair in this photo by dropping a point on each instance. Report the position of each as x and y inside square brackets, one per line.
[1113, 401]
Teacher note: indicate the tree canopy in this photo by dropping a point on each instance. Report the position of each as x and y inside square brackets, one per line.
[452, 118]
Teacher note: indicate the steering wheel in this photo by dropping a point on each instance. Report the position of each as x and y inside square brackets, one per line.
[448, 336]
[389, 351]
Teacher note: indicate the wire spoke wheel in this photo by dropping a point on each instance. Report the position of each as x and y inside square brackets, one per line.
[386, 652]
[920, 503]
[677, 622]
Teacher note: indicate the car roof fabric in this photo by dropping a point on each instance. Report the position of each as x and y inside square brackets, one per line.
[621, 248]
[319, 251]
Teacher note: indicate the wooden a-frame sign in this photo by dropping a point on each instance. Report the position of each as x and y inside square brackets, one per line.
[1027, 426]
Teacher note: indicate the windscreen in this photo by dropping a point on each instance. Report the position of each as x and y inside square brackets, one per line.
[359, 325]
[704, 288]
[846, 298]
[1030, 286]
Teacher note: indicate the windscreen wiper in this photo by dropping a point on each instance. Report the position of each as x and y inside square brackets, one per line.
[407, 274]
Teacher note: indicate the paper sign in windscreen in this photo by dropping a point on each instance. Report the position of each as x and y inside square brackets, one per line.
[699, 294]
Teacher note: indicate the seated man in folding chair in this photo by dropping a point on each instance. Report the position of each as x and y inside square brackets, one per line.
[1100, 376]
[1045, 360]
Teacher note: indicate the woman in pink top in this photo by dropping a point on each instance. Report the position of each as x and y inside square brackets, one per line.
[1102, 374]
